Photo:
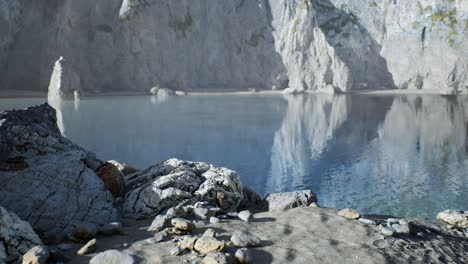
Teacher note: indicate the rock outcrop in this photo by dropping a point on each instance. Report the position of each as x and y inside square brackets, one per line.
[47, 180]
[235, 44]
[16, 236]
[176, 182]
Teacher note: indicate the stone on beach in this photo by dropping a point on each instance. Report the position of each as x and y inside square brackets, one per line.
[209, 233]
[244, 256]
[183, 224]
[205, 245]
[349, 213]
[215, 258]
[244, 239]
[36, 255]
[112, 257]
[288, 200]
[245, 216]
[455, 218]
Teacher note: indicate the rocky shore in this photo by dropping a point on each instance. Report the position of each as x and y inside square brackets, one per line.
[59, 203]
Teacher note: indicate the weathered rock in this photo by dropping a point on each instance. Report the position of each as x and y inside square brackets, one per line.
[36, 255]
[215, 258]
[112, 257]
[114, 228]
[455, 218]
[209, 233]
[203, 213]
[58, 188]
[160, 222]
[349, 213]
[124, 168]
[85, 230]
[183, 224]
[288, 200]
[401, 229]
[188, 242]
[173, 182]
[245, 216]
[244, 239]
[244, 256]
[112, 178]
[205, 245]
[88, 248]
[15, 234]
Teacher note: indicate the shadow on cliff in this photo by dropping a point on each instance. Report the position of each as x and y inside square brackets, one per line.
[354, 46]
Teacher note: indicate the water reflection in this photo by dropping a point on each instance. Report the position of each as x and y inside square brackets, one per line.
[400, 155]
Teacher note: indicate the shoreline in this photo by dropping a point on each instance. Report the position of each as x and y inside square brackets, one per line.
[12, 94]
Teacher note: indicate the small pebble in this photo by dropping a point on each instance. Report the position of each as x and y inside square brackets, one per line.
[245, 216]
[244, 256]
[209, 233]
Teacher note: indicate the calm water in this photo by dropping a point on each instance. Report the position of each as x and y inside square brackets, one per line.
[397, 155]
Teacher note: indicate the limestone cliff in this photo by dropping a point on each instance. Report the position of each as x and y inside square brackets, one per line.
[133, 45]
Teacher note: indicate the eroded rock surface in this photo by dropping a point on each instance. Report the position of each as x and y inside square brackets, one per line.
[48, 180]
[16, 236]
[176, 182]
[288, 200]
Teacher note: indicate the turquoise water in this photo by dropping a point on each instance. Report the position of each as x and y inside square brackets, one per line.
[396, 155]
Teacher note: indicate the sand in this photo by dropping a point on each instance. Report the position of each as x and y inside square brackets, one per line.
[301, 235]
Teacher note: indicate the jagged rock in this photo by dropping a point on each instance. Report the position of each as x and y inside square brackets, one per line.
[244, 239]
[288, 200]
[182, 224]
[63, 82]
[455, 218]
[173, 182]
[244, 256]
[124, 168]
[349, 213]
[205, 245]
[36, 255]
[112, 178]
[88, 248]
[160, 222]
[58, 188]
[15, 235]
[112, 257]
[110, 229]
[215, 258]
[245, 216]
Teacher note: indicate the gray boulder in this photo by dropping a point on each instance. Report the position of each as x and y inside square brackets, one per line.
[48, 180]
[16, 236]
[112, 257]
[174, 182]
[288, 200]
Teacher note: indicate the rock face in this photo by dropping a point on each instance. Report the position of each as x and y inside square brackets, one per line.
[47, 180]
[174, 182]
[16, 236]
[288, 200]
[302, 44]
